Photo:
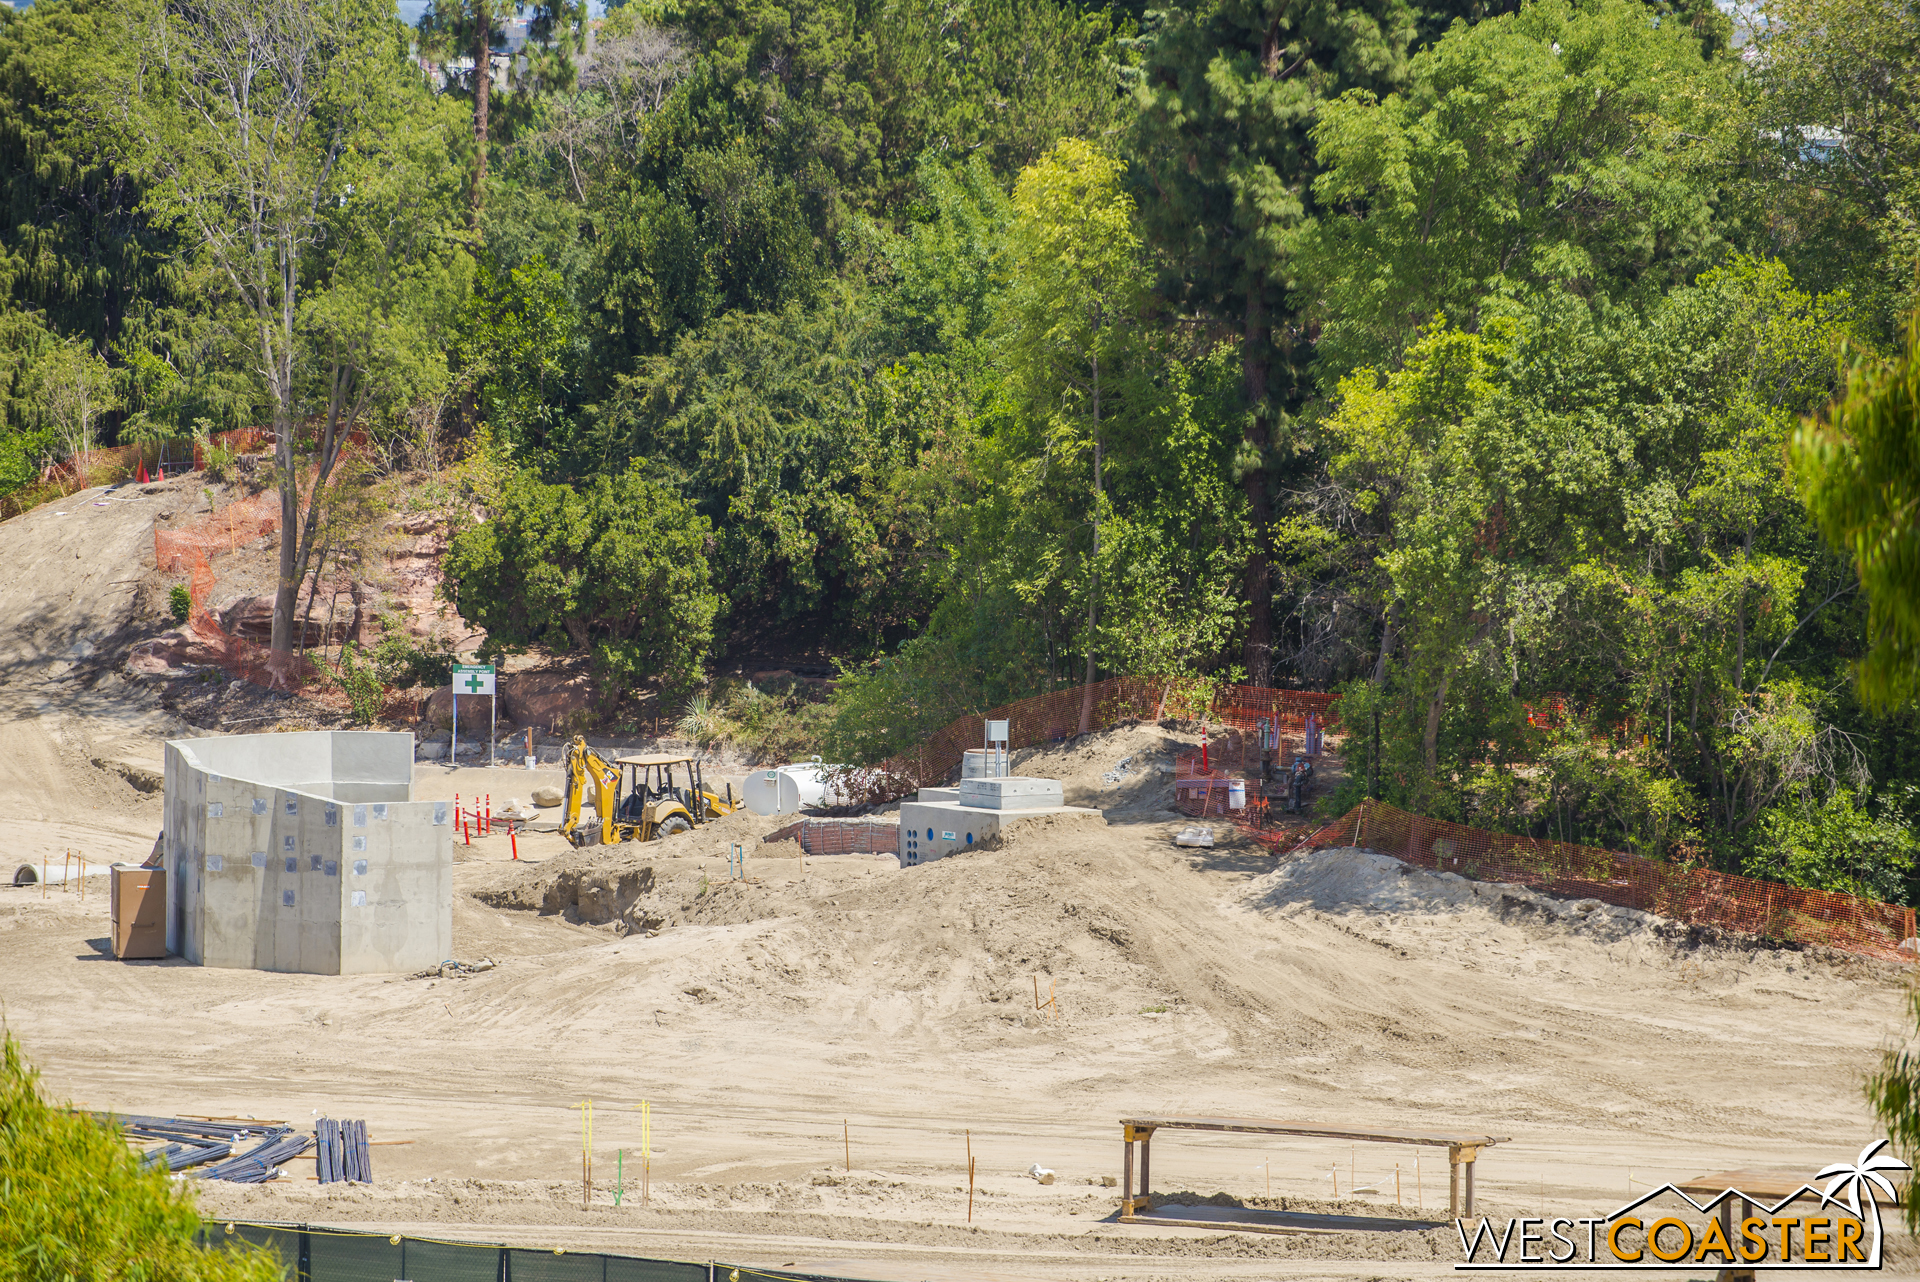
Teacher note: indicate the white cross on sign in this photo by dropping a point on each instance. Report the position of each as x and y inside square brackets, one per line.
[473, 679]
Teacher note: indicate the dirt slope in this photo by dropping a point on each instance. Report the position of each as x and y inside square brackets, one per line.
[82, 738]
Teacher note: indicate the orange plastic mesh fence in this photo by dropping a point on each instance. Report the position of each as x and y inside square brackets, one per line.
[1045, 718]
[1051, 718]
[188, 550]
[1694, 895]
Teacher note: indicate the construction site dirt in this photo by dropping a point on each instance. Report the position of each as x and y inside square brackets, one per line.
[822, 1041]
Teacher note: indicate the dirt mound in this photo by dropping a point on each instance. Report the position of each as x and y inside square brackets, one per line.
[1126, 770]
[1357, 880]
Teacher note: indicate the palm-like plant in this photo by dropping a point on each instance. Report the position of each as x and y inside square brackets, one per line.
[1863, 1173]
[702, 723]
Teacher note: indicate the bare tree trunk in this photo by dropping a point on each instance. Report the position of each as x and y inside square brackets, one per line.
[1430, 742]
[1259, 574]
[482, 92]
[1093, 599]
[1386, 643]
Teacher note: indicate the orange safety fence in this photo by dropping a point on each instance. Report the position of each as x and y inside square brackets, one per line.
[1694, 895]
[189, 550]
[1054, 717]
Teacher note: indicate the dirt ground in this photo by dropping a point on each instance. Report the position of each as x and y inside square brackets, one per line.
[826, 1014]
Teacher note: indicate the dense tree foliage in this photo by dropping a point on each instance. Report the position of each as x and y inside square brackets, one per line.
[1453, 355]
[617, 570]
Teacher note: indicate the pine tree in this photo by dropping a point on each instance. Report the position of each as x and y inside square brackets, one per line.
[1229, 98]
[556, 31]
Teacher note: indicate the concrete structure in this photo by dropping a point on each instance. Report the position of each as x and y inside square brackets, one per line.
[939, 821]
[304, 852]
[1011, 792]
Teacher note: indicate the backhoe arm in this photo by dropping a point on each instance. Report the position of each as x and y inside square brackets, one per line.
[585, 766]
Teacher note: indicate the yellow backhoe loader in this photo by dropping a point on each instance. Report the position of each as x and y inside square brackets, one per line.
[637, 798]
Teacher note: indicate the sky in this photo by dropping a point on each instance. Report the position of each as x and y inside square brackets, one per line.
[410, 10]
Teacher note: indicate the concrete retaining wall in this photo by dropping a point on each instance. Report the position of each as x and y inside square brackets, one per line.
[302, 852]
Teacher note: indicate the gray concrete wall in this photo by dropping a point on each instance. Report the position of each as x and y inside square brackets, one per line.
[397, 888]
[372, 766]
[933, 829]
[278, 873]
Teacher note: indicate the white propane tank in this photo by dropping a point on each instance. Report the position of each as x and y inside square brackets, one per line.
[785, 789]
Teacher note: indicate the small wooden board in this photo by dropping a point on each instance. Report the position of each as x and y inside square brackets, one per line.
[1267, 1126]
[1760, 1184]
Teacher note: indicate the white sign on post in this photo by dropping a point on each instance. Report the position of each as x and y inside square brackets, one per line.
[472, 679]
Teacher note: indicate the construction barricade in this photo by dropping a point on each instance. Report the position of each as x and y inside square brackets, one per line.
[309, 1253]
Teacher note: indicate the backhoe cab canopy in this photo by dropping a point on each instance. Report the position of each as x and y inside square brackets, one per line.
[652, 777]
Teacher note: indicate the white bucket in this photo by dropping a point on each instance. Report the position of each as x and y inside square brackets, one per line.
[1237, 795]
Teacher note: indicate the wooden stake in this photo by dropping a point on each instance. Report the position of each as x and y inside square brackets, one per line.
[1396, 1184]
[1336, 1181]
[969, 1177]
[1419, 1189]
[586, 1150]
[846, 1145]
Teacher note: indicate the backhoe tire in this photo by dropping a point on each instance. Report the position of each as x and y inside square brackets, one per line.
[678, 823]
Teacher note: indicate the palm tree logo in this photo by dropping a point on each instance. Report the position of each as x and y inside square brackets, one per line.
[1863, 1173]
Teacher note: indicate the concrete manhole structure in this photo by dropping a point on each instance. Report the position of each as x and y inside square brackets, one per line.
[305, 852]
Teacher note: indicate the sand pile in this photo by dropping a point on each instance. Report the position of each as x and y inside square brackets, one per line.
[960, 939]
[1356, 880]
[1126, 770]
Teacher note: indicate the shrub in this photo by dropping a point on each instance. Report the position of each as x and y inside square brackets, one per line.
[360, 682]
[404, 663]
[616, 569]
[179, 602]
[74, 1202]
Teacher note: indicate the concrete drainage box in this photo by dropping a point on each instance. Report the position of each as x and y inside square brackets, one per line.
[942, 821]
[303, 852]
[1011, 792]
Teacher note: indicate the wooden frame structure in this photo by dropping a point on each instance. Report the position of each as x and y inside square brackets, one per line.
[1780, 1186]
[1462, 1151]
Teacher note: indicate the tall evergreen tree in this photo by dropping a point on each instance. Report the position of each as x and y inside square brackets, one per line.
[452, 28]
[1231, 92]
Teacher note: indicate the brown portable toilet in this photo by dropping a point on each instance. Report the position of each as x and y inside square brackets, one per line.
[139, 910]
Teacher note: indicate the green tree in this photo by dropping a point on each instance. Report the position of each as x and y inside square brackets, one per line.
[76, 1203]
[1229, 96]
[470, 28]
[1839, 117]
[260, 127]
[76, 242]
[73, 390]
[1859, 471]
[799, 441]
[516, 345]
[617, 570]
[1838, 844]
[1562, 147]
[1598, 508]
[1070, 320]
